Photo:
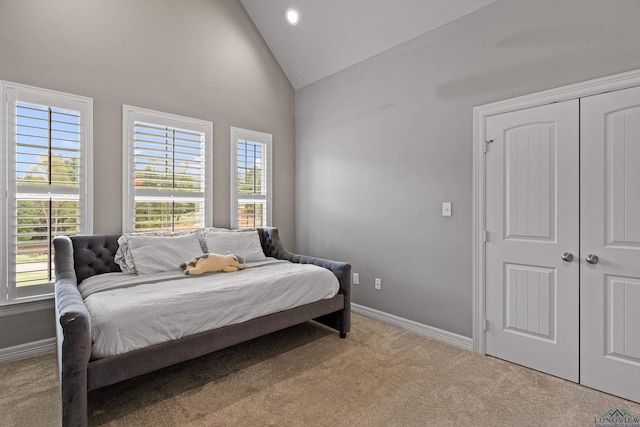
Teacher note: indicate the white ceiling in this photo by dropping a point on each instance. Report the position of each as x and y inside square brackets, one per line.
[335, 34]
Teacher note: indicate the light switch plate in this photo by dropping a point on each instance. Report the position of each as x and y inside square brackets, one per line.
[446, 208]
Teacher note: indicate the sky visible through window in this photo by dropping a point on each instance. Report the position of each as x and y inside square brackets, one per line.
[40, 129]
[170, 157]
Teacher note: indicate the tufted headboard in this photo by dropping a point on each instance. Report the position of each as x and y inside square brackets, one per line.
[94, 254]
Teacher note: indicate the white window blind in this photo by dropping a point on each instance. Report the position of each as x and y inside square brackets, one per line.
[251, 179]
[48, 148]
[168, 171]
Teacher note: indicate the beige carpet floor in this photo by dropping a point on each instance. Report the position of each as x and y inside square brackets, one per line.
[306, 376]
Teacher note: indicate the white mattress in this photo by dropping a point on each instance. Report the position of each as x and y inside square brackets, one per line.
[129, 311]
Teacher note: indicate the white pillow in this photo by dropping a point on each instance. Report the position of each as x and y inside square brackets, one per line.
[243, 243]
[123, 255]
[153, 254]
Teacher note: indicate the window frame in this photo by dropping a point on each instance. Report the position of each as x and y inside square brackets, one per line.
[238, 134]
[10, 94]
[131, 115]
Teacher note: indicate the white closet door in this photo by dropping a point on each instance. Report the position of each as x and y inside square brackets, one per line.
[532, 188]
[610, 229]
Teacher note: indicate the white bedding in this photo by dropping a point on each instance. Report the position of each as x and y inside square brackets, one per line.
[129, 311]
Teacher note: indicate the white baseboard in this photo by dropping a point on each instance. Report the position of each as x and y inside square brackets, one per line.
[29, 349]
[419, 328]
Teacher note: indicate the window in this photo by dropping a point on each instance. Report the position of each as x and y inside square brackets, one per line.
[250, 179]
[46, 157]
[168, 168]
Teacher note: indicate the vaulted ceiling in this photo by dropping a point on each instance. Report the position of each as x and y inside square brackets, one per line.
[335, 34]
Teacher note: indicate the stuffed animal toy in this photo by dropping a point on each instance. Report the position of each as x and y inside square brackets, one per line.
[208, 263]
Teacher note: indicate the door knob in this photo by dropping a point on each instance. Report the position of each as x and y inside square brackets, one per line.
[592, 259]
[567, 256]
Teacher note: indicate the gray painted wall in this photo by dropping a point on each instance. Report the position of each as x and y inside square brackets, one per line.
[198, 58]
[380, 145]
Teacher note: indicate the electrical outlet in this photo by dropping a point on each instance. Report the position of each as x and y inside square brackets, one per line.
[356, 278]
[378, 284]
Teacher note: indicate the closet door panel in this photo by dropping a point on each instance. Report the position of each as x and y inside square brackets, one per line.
[532, 218]
[610, 230]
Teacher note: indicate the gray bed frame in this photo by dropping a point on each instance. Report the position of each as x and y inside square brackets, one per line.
[79, 257]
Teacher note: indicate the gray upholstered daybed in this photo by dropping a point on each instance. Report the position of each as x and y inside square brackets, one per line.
[80, 257]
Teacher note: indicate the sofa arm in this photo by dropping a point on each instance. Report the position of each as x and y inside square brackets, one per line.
[273, 247]
[73, 334]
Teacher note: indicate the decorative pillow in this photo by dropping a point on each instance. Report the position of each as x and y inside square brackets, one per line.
[245, 243]
[153, 254]
[123, 256]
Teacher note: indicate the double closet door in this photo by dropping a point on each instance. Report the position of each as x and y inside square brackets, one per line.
[563, 240]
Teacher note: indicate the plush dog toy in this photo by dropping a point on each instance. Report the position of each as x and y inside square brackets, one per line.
[208, 263]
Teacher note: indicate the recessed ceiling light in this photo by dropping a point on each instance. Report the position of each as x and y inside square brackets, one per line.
[293, 16]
